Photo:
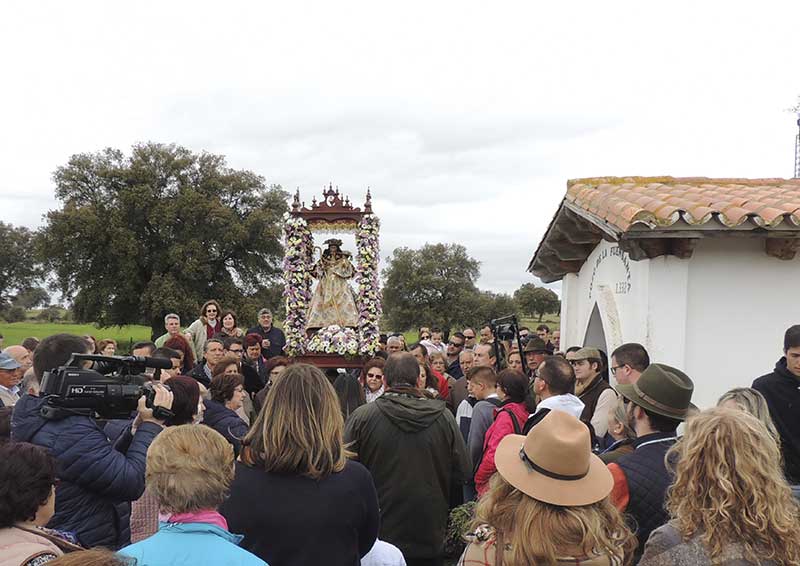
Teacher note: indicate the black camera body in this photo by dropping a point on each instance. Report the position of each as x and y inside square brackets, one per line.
[109, 391]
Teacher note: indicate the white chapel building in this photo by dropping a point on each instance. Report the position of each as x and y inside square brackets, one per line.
[703, 272]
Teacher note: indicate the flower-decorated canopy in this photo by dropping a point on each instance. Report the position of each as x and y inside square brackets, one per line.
[334, 213]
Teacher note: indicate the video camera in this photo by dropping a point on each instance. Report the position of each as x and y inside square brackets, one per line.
[109, 391]
[506, 329]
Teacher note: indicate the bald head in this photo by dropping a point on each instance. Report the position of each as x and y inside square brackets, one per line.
[23, 357]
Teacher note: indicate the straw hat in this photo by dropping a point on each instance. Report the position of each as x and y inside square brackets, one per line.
[554, 463]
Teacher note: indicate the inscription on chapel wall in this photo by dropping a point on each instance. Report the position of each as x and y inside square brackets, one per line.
[616, 276]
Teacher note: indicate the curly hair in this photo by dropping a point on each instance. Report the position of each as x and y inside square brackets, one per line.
[27, 475]
[596, 529]
[727, 492]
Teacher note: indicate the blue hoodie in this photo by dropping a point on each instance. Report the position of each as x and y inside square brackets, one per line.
[98, 479]
[191, 544]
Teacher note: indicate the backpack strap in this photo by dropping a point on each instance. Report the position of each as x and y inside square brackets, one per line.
[514, 421]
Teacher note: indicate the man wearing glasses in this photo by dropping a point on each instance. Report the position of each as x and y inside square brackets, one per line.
[628, 362]
[469, 339]
[454, 348]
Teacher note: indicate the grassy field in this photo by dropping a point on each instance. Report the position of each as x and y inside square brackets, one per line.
[124, 335]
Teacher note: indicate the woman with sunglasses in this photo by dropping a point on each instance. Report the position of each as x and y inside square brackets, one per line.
[205, 327]
[372, 379]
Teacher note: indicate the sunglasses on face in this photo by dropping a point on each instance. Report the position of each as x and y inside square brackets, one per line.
[456, 344]
[374, 376]
[211, 310]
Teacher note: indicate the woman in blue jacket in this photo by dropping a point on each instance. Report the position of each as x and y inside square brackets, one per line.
[189, 469]
[227, 393]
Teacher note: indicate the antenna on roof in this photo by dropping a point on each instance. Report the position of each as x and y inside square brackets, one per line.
[797, 149]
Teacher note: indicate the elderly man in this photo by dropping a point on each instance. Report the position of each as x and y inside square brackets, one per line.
[10, 376]
[535, 351]
[273, 341]
[172, 323]
[22, 355]
[393, 345]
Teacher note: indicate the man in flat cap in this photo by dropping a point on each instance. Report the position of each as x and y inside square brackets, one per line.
[597, 395]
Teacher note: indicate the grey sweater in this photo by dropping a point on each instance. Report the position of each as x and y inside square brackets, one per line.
[482, 419]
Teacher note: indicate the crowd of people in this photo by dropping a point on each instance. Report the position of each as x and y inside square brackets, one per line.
[245, 456]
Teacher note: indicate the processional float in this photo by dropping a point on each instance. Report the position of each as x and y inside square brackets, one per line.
[330, 324]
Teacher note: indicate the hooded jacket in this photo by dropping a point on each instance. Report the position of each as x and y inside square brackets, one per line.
[500, 428]
[781, 389]
[415, 452]
[98, 479]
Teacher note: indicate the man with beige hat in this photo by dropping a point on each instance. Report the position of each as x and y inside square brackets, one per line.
[596, 394]
[656, 404]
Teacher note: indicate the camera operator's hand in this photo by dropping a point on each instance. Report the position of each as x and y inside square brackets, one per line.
[265, 343]
[163, 398]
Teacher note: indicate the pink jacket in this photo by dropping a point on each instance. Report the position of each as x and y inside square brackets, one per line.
[501, 427]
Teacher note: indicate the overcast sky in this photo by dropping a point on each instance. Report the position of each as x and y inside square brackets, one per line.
[466, 119]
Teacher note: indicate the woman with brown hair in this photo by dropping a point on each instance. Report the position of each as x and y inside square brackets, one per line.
[227, 394]
[106, 347]
[730, 503]
[296, 497]
[181, 344]
[548, 503]
[229, 328]
[206, 325]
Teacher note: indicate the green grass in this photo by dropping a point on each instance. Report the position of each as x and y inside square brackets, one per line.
[16, 332]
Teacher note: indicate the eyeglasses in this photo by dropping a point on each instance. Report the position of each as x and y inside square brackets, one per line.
[375, 376]
[615, 368]
[456, 344]
[469, 337]
[424, 337]
[211, 310]
[236, 351]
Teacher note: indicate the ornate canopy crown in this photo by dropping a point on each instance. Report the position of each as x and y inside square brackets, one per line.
[333, 212]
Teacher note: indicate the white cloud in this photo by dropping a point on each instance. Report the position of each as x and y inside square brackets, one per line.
[466, 119]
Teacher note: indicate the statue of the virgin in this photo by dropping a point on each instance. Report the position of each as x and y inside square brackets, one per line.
[333, 301]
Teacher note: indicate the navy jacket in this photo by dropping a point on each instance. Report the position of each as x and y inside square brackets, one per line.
[98, 479]
[226, 422]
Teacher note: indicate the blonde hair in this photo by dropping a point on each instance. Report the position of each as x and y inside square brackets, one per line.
[93, 557]
[538, 532]
[753, 402]
[729, 488]
[300, 429]
[189, 468]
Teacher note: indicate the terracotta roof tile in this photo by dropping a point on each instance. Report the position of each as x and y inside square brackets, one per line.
[663, 201]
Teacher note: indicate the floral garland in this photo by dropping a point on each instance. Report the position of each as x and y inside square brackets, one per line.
[297, 279]
[335, 340]
[369, 294]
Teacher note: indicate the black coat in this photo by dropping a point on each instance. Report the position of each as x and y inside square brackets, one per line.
[781, 389]
[292, 520]
[226, 422]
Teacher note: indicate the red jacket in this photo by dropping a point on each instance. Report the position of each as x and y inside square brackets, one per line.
[501, 427]
[444, 388]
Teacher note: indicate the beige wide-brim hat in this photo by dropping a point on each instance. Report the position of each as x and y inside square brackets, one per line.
[554, 463]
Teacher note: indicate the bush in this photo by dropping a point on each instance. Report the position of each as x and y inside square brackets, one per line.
[50, 314]
[14, 314]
